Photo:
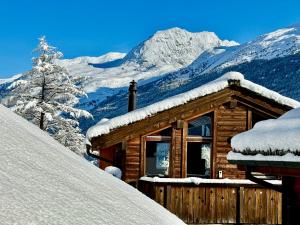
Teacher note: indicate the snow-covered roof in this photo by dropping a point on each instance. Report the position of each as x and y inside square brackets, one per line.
[104, 127]
[275, 140]
[42, 182]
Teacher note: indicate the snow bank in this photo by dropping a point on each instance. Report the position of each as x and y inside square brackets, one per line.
[115, 171]
[41, 182]
[209, 88]
[273, 139]
[197, 180]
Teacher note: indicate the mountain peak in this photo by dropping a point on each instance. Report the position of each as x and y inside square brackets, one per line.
[174, 46]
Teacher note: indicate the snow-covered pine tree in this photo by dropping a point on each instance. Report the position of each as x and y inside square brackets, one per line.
[46, 95]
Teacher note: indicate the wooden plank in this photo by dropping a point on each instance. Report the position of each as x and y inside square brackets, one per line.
[159, 194]
[211, 200]
[278, 202]
[178, 201]
[231, 204]
[158, 138]
[187, 204]
[221, 206]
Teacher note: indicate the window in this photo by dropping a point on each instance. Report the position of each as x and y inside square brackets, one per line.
[200, 127]
[157, 158]
[158, 153]
[199, 147]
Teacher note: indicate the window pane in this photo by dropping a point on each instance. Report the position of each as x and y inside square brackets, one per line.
[165, 132]
[157, 158]
[200, 127]
[198, 159]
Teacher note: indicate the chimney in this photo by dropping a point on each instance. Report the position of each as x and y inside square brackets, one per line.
[132, 96]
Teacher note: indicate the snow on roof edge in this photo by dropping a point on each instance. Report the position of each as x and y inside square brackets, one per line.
[238, 156]
[104, 127]
[197, 180]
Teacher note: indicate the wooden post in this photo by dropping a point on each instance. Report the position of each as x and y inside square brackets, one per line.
[238, 206]
[289, 209]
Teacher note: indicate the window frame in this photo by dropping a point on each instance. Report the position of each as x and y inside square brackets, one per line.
[154, 137]
[200, 139]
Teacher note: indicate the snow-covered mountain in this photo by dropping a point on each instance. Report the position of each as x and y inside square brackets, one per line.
[279, 43]
[175, 60]
[272, 60]
[175, 47]
[164, 52]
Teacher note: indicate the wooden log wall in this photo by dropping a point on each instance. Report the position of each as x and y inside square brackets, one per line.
[216, 203]
[229, 122]
[132, 160]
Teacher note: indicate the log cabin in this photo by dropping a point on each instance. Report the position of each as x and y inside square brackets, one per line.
[175, 150]
[188, 134]
[272, 147]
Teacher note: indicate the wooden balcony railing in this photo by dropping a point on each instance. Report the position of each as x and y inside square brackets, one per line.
[216, 202]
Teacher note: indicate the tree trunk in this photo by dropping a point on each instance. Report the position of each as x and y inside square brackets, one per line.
[42, 100]
[42, 121]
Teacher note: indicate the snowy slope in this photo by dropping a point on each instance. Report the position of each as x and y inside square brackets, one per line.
[280, 43]
[43, 183]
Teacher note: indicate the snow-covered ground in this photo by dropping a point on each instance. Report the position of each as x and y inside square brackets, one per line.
[41, 182]
[105, 126]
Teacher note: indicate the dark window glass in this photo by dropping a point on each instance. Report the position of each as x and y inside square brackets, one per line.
[165, 132]
[200, 127]
[198, 159]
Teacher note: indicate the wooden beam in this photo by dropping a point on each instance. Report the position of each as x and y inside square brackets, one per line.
[184, 150]
[213, 161]
[158, 138]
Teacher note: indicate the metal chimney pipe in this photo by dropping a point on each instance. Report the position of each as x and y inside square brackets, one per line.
[132, 96]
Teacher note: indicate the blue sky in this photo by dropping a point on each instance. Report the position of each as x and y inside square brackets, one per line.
[94, 27]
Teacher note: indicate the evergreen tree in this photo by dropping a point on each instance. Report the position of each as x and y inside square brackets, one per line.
[46, 95]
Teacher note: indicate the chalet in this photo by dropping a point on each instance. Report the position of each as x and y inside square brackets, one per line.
[175, 150]
[272, 147]
[187, 134]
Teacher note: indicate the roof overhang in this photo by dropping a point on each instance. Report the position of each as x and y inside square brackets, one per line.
[201, 105]
[268, 165]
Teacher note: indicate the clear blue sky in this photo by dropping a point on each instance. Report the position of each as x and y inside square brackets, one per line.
[94, 27]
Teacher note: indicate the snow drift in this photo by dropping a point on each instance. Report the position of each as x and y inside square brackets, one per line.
[41, 182]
